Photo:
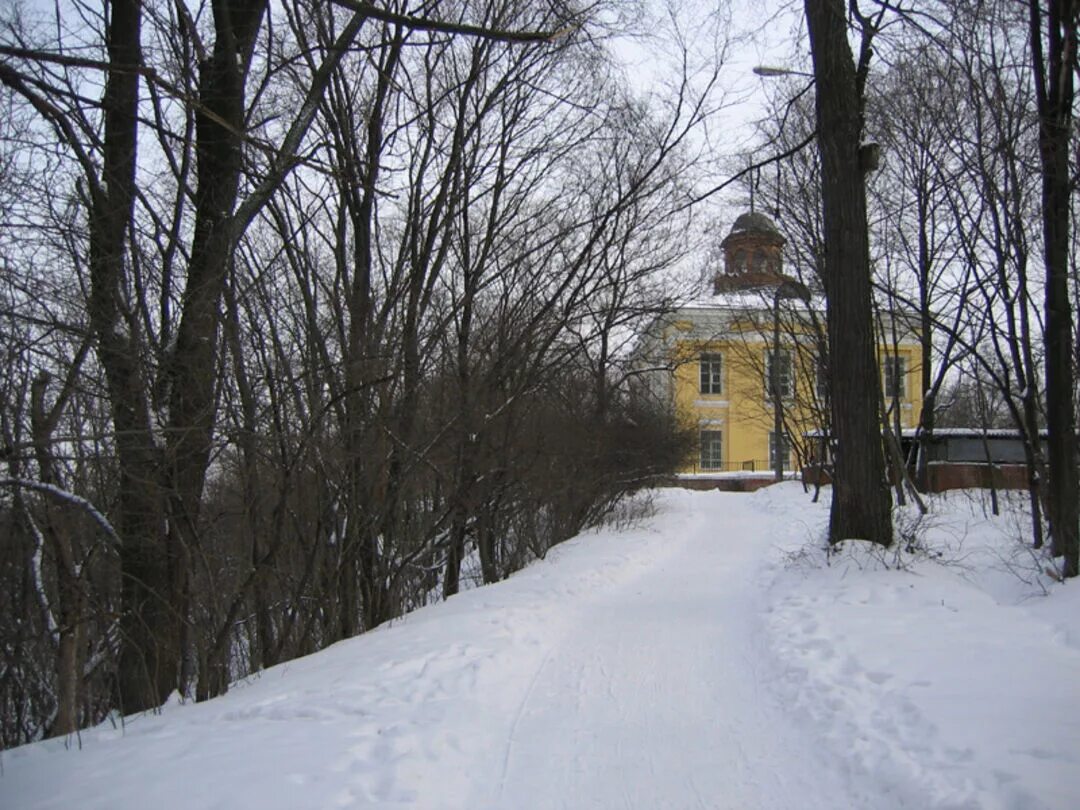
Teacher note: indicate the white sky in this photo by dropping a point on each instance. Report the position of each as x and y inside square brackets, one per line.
[744, 34]
[740, 34]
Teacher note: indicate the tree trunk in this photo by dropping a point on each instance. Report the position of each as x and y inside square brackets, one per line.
[485, 544]
[1054, 77]
[149, 659]
[71, 595]
[926, 355]
[371, 475]
[861, 504]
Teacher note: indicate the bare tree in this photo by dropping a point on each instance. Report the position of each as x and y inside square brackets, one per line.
[1054, 64]
[165, 417]
[861, 504]
[327, 305]
[918, 255]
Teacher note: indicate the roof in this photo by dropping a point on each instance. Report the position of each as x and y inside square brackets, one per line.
[753, 222]
[955, 432]
[760, 298]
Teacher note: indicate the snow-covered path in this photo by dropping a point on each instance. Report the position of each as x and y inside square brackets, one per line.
[706, 659]
[656, 697]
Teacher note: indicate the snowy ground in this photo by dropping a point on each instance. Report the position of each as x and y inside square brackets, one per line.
[712, 658]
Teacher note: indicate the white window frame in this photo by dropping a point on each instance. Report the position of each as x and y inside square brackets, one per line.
[711, 373]
[788, 389]
[714, 460]
[772, 450]
[894, 369]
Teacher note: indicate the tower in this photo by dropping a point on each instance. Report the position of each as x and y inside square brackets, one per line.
[753, 255]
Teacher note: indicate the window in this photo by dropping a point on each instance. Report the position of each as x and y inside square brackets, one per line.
[780, 382]
[895, 370]
[785, 450]
[822, 371]
[711, 443]
[712, 374]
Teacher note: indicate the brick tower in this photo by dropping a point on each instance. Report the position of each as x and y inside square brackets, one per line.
[753, 255]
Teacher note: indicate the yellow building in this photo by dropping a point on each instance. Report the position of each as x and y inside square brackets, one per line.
[748, 359]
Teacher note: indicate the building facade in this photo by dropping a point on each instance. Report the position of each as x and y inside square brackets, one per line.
[746, 367]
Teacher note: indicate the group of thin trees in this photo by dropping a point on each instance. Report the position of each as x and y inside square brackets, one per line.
[309, 313]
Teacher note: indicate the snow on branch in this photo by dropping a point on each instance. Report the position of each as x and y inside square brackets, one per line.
[64, 495]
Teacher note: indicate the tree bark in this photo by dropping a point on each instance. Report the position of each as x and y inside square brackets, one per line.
[149, 660]
[1054, 86]
[861, 503]
[193, 371]
[71, 594]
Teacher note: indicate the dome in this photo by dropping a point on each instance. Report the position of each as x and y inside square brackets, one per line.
[753, 222]
[753, 254]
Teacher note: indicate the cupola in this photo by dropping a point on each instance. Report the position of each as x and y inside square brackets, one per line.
[753, 255]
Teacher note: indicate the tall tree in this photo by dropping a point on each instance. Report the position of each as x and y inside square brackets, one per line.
[861, 502]
[1054, 64]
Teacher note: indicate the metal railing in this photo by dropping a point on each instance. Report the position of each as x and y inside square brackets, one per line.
[749, 465]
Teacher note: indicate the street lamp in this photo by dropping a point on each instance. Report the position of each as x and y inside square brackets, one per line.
[787, 290]
[869, 153]
[769, 71]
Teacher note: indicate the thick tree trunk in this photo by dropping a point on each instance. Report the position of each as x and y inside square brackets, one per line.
[454, 555]
[193, 370]
[193, 373]
[485, 544]
[149, 659]
[1054, 90]
[927, 416]
[371, 473]
[861, 504]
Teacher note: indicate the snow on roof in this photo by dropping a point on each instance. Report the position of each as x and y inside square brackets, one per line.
[754, 222]
[761, 298]
[972, 433]
[952, 432]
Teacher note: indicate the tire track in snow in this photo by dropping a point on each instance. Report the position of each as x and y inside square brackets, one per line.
[508, 752]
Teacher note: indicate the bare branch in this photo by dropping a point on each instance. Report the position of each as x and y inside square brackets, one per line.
[64, 495]
[428, 24]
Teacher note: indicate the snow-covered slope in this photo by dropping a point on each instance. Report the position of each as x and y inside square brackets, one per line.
[711, 658]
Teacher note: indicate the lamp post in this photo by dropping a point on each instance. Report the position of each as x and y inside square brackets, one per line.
[768, 72]
[869, 153]
[787, 289]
